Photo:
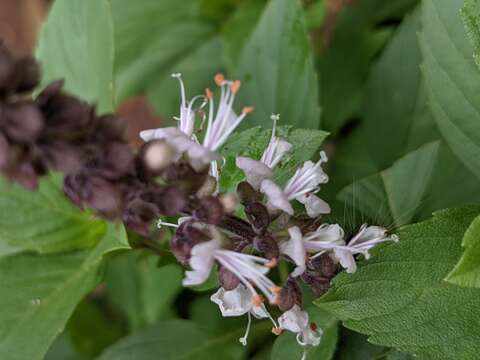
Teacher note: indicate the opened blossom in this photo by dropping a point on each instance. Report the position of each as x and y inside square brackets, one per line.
[297, 321]
[249, 269]
[330, 238]
[301, 187]
[221, 122]
[258, 170]
[241, 301]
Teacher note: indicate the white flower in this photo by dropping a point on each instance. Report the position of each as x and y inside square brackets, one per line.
[249, 269]
[258, 170]
[186, 122]
[219, 126]
[296, 320]
[295, 249]
[240, 301]
[331, 238]
[300, 187]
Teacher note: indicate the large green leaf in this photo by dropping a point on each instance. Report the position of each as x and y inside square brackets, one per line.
[452, 79]
[180, 339]
[286, 346]
[356, 39]
[398, 297]
[413, 187]
[140, 288]
[44, 220]
[467, 271]
[76, 44]
[395, 105]
[277, 70]
[471, 20]
[354, 346]
[40, 292]
[156, 38]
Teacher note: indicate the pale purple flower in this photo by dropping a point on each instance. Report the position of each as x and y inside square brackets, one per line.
[249, 269]
[297, 321]
[258, 170]
[330, 238]
[238, 302]
[302, 186]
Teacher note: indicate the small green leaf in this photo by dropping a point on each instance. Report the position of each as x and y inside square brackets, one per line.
[277, 71]
[452, 79]
[180, 339]
[44, 220]
[471, 20]
[76, 44]
[286, 346]
[140, 288]
[399, 298]
[40, 292]
[467, 271]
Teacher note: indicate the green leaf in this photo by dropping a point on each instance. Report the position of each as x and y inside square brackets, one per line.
[277, 70]
[467, 271]
[40, 292]
[286, 346]
[180, 339]
[413, 187]
[157, 38]
[471, 20]
[76, 44]
[238, 28]
[354, 346]
[395, 102]
[44, 220]
[140, 288]
[62, 349]
[398, 297]
[452, 79]
[344, 64]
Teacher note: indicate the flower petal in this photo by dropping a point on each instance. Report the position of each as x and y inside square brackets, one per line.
[314, 205]
[201, 262]
[255, 171]
[295, 249]
[346, 260]
[235, 302]
[294, 320]
[276, 197]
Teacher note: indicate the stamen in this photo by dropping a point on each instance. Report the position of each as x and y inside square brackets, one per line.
[276, 330]
[209, 93]
[257, 300]
[219, 79]
[235, 86]
[247, 109]
[272, 263]
[161, 223]
[243, 339]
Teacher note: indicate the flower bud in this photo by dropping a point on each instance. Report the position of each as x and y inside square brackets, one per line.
[157, 155]
[318, 284]
[290, 295]
[247, 193]
[227, 279]
[229, 202]
[62, 157]
[139, 215]
[267, 245]
[22, 122]
[323, 265]
[28, 74]
[4, 152]
[208, 187]
[51, 90]
[185, 238]
[115, 162]
[169, 200]
[24, 174]
[258, 215]
[184, 176]
[6, 68]
[210, 211]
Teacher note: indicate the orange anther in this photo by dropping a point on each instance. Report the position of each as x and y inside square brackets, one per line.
[277, 331]
[209, 93]
[272, 263]
[247, 109]
[235, 86]
[257, 300]
[219, 79]
[276, 289]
